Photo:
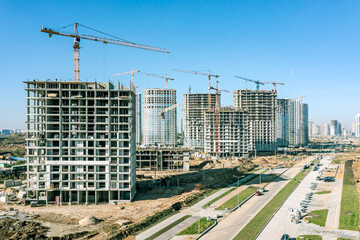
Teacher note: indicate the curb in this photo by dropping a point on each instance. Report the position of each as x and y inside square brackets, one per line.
[208, 229]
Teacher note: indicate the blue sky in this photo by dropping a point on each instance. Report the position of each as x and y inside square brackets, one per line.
[312, 46]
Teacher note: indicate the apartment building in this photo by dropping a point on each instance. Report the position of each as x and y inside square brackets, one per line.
[194, 105]
[159, 129]
[260, 106]
[80, 142]
[226, 132]
[282, 122]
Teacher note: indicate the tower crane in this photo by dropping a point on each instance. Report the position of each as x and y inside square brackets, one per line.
[125, 73]
[205, 74]
[162, 114]
[257, 82]
[166, 77]
[275, 83]
[77, 38]
[217, 109]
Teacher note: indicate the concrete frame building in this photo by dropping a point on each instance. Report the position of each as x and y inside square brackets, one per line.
[233, 138]
[162, 159]
[138, 119]
[156, 129]
[260, 106]
[282, 122]
[194, 105]
[80, 142]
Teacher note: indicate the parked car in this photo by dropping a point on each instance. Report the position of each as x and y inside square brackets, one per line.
[285, 237]
[329, 179]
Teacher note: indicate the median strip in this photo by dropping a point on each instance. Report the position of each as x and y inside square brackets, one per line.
[238, 198]
[349, 213]
[194, 228]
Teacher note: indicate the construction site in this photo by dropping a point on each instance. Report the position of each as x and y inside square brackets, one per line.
[106, 162]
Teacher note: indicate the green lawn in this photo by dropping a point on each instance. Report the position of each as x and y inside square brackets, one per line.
[335, 162]
[323, 192]
[250, 231]
[217, 198]
[318, 217]
[232, 202]
[194, 228]
[165, 229]
[309, 237]
[349, 214]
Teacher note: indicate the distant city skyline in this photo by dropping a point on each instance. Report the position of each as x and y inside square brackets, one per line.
[310, 46]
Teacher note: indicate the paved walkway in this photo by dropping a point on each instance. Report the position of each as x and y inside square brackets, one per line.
[195, 210]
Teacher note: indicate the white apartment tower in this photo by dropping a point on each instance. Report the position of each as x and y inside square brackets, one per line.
[80, 142]
[260, 106]
[159, 129]
[357, 125]
[194, 105]
[299, 121]
[226, 132]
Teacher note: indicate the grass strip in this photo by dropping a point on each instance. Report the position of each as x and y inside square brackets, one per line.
[251, 230]
[168, 227]
[194, 228]
[323, 192]
[318, 217]
[309, 237]
[229, 191]
[232, 202]
[218, 197]
[349, 213]
[335, 162]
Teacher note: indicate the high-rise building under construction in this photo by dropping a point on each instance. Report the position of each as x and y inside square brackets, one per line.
[157, 128]
[260, 106]
[226, 132]
[194, 106]
[80, 142]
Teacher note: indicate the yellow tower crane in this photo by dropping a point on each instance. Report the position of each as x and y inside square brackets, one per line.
[77, 38]
[200, 73]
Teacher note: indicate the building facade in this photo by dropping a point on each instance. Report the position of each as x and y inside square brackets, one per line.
[260, 106]
[226, 132]
[80, 142]
[357, 125]
[138, 119]
[282, 122]
[194, 105]
[158, 129]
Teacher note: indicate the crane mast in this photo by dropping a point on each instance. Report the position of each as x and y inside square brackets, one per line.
[76, 45]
